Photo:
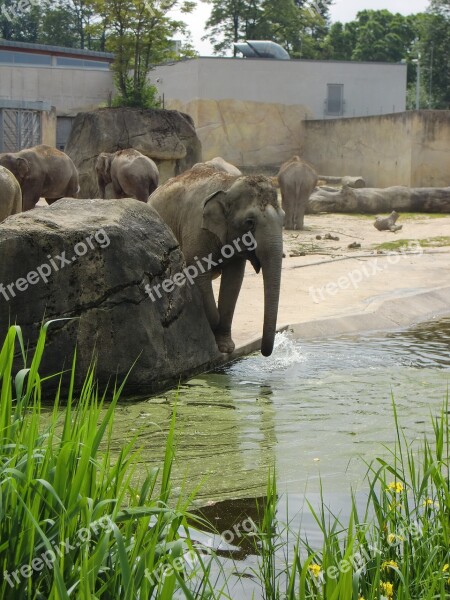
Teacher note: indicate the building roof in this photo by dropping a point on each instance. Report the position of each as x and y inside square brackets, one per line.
[56, 50]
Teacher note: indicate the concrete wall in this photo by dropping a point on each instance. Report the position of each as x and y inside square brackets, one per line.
[412, 148]
[246, 133]
[369, 88]
[68, 89]
[431, 149]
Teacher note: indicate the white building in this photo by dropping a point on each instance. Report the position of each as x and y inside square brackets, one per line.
[327, 88]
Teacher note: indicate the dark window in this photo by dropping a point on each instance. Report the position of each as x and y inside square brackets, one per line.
[24, 58]
[62, 61]
[28, 58]
[334, 104]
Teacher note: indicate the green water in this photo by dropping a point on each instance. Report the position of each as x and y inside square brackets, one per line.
[314, 409]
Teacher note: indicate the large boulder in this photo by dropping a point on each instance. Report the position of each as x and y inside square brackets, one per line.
[90, 261]
[166, 136]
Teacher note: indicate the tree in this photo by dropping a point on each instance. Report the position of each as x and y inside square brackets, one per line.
[375, 35]
[433, 47]
[297, 25]
[140, 33]
[232, 21]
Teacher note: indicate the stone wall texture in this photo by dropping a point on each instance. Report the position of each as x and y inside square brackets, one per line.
[409, 149]
[245, 133]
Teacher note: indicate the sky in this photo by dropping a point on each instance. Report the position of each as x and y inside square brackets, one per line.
[342, 10]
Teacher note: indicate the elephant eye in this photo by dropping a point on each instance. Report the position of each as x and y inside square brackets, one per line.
[249, 223]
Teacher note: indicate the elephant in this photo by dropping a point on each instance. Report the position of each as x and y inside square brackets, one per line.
[297, 180]
[224, 220]
[131, 173]
[42, 171]
[10, 194]
[222, 165]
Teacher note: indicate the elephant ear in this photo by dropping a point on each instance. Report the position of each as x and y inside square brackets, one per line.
[214, 216]
[22, 167]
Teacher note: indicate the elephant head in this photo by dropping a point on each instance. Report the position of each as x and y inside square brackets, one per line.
[18, 166]
[247, 217]
[103, 170]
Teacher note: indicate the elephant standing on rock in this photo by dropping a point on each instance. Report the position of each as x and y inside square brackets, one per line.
[10, 194]
[221, 221]
[297, 181]
[131, 173]
[42, 171]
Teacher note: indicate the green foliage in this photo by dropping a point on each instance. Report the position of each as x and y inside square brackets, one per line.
[73, 521]
[294, 24]
[143, 97]
[375, 35]
[398, 547]
[434, 50]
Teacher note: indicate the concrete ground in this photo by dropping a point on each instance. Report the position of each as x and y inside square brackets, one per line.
[328, 288]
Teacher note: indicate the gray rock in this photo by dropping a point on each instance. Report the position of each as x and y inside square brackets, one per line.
[100, 285]
[166, 136]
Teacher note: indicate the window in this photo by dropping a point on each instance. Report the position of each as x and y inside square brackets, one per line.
[24, 58]
[80, 63]
[334, 104]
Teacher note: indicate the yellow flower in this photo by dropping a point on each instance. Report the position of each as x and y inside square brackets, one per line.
[445, 568]
[389, 563]
[360, 597]
[396, 486]
[387, 589]
[315, 569]
[393, 538]
[429, 502]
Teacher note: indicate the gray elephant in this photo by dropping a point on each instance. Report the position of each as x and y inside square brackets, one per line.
[222, 221]
[132, 174]
[42, 171]
[10, 194]
[297, 180]
[222, 165]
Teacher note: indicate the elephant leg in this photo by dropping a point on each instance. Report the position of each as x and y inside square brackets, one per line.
[230, 286]
[118, 191]
[204, 283]
[29, 201]
[72, 188]
[288, 209]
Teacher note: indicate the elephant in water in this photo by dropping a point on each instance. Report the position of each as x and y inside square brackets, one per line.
[221, 221]
[10, 194]
[132, 174]
[297, 181]
[42, 171]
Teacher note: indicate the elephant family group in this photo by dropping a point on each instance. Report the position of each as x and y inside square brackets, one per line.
[209, 208]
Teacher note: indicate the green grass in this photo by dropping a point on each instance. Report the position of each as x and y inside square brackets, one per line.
[433, 242]
[397, 548]
[72, 525]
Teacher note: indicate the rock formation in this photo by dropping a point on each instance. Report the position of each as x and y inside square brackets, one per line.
[89, 261]
[166, 136]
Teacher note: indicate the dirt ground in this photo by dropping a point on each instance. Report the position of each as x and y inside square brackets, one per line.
[430, 230]
[324, 279]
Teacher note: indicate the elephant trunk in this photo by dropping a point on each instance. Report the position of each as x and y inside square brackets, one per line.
[271, 260]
